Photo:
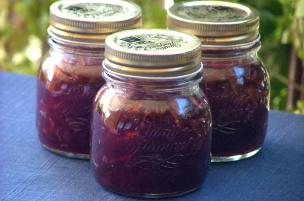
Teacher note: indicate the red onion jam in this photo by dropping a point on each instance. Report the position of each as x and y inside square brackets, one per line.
[235, 81]
[150, 144]
[238, 93]
[66, 86]
[70, 75]
[151, 123]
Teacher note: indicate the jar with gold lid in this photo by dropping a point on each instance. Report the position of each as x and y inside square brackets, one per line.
[151, 125]
[235, 80]
[70, 74]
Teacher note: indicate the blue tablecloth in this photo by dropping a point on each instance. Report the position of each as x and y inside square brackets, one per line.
[30, 173]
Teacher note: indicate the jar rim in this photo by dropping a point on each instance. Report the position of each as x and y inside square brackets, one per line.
[68, 48]
[245, 45]
[106, 63]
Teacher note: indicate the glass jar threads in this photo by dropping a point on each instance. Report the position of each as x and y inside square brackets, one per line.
[151, 126]
[235, 81]
[70, 75]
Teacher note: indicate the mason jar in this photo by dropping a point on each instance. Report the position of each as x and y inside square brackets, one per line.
[151, 124]
[235, 80]
[70, 75]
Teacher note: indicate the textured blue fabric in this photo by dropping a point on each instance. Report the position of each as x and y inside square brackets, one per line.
[30, 173]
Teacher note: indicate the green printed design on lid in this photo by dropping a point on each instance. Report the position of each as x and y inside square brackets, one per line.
[93, 10]
[152, 42]
[211, 13]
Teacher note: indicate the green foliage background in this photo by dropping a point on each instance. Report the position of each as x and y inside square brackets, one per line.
[23, 25]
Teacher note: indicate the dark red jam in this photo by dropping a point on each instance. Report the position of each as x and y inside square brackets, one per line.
[66, 88]
[238, 93]
[150, 144]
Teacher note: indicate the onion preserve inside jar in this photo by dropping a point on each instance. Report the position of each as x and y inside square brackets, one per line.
[235, 81]
[151, 124]
[70, 75]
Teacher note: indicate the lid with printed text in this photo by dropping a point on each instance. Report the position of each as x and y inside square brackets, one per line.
[152, 53]
[86, 22]
[215, 22]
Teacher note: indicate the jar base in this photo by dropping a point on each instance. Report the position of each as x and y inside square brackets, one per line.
[153, 195]
[220, 159]
[67, 154]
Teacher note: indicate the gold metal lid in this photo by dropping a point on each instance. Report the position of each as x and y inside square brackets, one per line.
[215, 22]
[152, 53]
[89, 22]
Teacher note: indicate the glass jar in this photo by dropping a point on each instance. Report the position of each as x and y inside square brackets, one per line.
[151, 126]
[70, 74]
[235, 80]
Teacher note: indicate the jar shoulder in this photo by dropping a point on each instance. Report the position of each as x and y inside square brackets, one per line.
[239, 72]
[236, 84]
[54, 69]
[108, 104]
[76, 65]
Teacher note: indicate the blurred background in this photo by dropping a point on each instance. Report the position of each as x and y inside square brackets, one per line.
[23, 36]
